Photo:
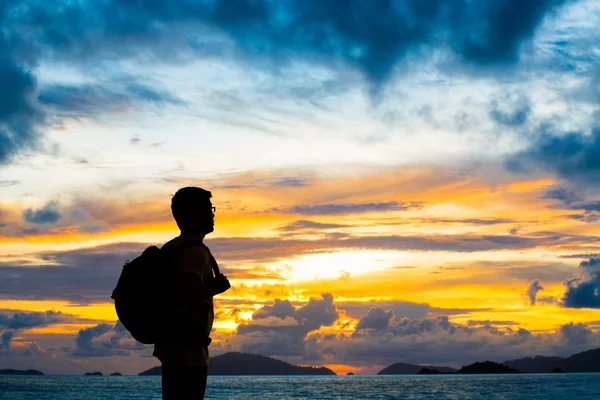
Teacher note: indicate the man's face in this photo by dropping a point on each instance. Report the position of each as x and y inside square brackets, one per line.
[207, 217]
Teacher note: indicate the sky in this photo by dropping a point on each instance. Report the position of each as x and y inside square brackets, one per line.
[395, 181]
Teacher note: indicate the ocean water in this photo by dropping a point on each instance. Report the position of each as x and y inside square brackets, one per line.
[456, 387]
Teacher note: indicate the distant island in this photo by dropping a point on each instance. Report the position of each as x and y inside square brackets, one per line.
[410, 369]
[587, 361]
[234, 363]
[20, 372]
[430, 371]
[487, 367]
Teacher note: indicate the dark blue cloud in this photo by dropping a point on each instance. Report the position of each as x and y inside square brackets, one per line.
[587, 217]
[90, 100]
[370, 38]
[45, 215]
[571, 200]
[584, 291]
[496, 29]
[352, 33]
[19, 117]
[562, 194]
[573, 155]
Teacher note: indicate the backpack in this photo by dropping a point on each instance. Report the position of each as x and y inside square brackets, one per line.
[145, 293]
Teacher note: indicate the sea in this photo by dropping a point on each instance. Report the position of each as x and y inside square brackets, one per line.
[456, 387]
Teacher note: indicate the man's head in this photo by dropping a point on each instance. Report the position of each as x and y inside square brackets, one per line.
[193, 210]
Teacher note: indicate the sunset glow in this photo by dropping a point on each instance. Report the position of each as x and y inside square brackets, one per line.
[376, 203]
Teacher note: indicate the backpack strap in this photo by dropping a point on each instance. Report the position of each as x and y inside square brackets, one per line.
[213, 262]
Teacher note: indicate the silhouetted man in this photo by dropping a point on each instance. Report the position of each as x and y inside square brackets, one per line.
[184, 350]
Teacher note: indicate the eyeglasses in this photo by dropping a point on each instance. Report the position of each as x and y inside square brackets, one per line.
[214, 209]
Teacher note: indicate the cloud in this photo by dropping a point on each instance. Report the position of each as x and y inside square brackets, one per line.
[441, 341]
[376, 319]
[87, 275]
[92, 99]
[45, 215]
[575, 334]
[331, 209]
[289, 182]
[105, 340]
[19, 116]
[301, 225]
[270, 249]
[510, 111]
[583, 291]
[6, 340]
[399, 308]
[571, 200]
[19, 321]
[370, 40]
[562, 194]
[471, 221]
[33, 351]
[280, 309]
[533, 290]
[282, 329]
[581, 255]
[7, 183]
[473, 322]
[572, 155]
[481, 34]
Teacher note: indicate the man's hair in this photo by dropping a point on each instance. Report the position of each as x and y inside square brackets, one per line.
[185, 202]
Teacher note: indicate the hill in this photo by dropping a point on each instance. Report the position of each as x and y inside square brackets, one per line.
[19, 372]
[409, 369]
[429, 371]
[251, 364]
[537, 364]
[587, 361]
[487, 367]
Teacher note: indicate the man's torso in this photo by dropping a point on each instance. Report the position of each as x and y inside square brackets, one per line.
[191, 259]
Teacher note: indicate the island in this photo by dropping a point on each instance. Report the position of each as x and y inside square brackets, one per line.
[411, 369]
[116, 374]
[20, 372]
[350, 373]
[235, 363]
[430, 371]
[487, 367]
[93, 374]
[586, 361]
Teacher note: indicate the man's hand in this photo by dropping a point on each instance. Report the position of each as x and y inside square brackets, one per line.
[221, 284]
